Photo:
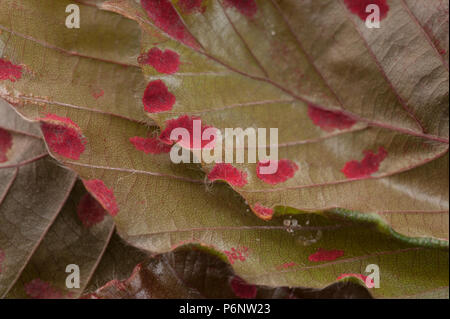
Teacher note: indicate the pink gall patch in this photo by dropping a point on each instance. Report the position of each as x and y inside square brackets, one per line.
[96, 94]
[236, 254]
[103, 195]
[9, 71]
[286, 170]
[242, 289]
[63, 136]
[150, 145]
[39, 289]
[369, 283]
[166, 61]
[157, 97]
[245, 7]
[263, 212]
[5, 144]
[191, 6]
[89, 211]
[193, 125]
[329, 120]
[358, 7]
[165, 17]
[369, 164]
[326, 255]
[229, 173]
[2, 258]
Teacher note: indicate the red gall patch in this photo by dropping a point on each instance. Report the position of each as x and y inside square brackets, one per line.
[263, 212]
[191, 6]
[286, 170]
[369, 284]
[5, 144]
[358, 7]
[90, 211]
[229, 173]
[63, 136]
[166, 18]
[194, 127]
[237, 254]
[9, 71]
[2, 258]
[286, 265]
[39, 289]
[369, 164]
[98, 93]
[150, 145]
[242, 289]
[157, 97]
[326, 255]
[166, 61]
[245, 7]
[329, 120]
[103, 195]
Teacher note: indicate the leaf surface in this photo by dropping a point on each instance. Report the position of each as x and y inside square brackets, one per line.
[161, 206]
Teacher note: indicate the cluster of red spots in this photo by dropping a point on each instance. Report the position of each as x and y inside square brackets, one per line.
[229, 173]
[242, 289]
[90, 211]
[166, 18]
[326, 255]
[150, 145]
[237, 254]
[5, 144]
[358, 7]
[329, 120]
[286, 265]
[285, 170]
[368, 165]
[166, 61]
[97, 93]
[2, 258]
[9, 71]
[368, 283]
[63, 136]
[103, 195]
[245, 7]
[263, 212]
[157, 97]
[191, 6]
[39, 289]
[198, 138]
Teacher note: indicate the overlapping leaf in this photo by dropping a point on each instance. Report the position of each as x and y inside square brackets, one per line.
[162, 205]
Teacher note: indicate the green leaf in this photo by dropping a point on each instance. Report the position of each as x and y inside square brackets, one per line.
[194, 273]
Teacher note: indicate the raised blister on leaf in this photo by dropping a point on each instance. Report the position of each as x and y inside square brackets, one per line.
[243, 289]
[329, 120]
[367, 166]
[150, 145]
[326, 255]
[157, 97]
[263, 212]
[5, 144]
[103, 195]
[90, 211]
[9, 71]
[166, 61]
